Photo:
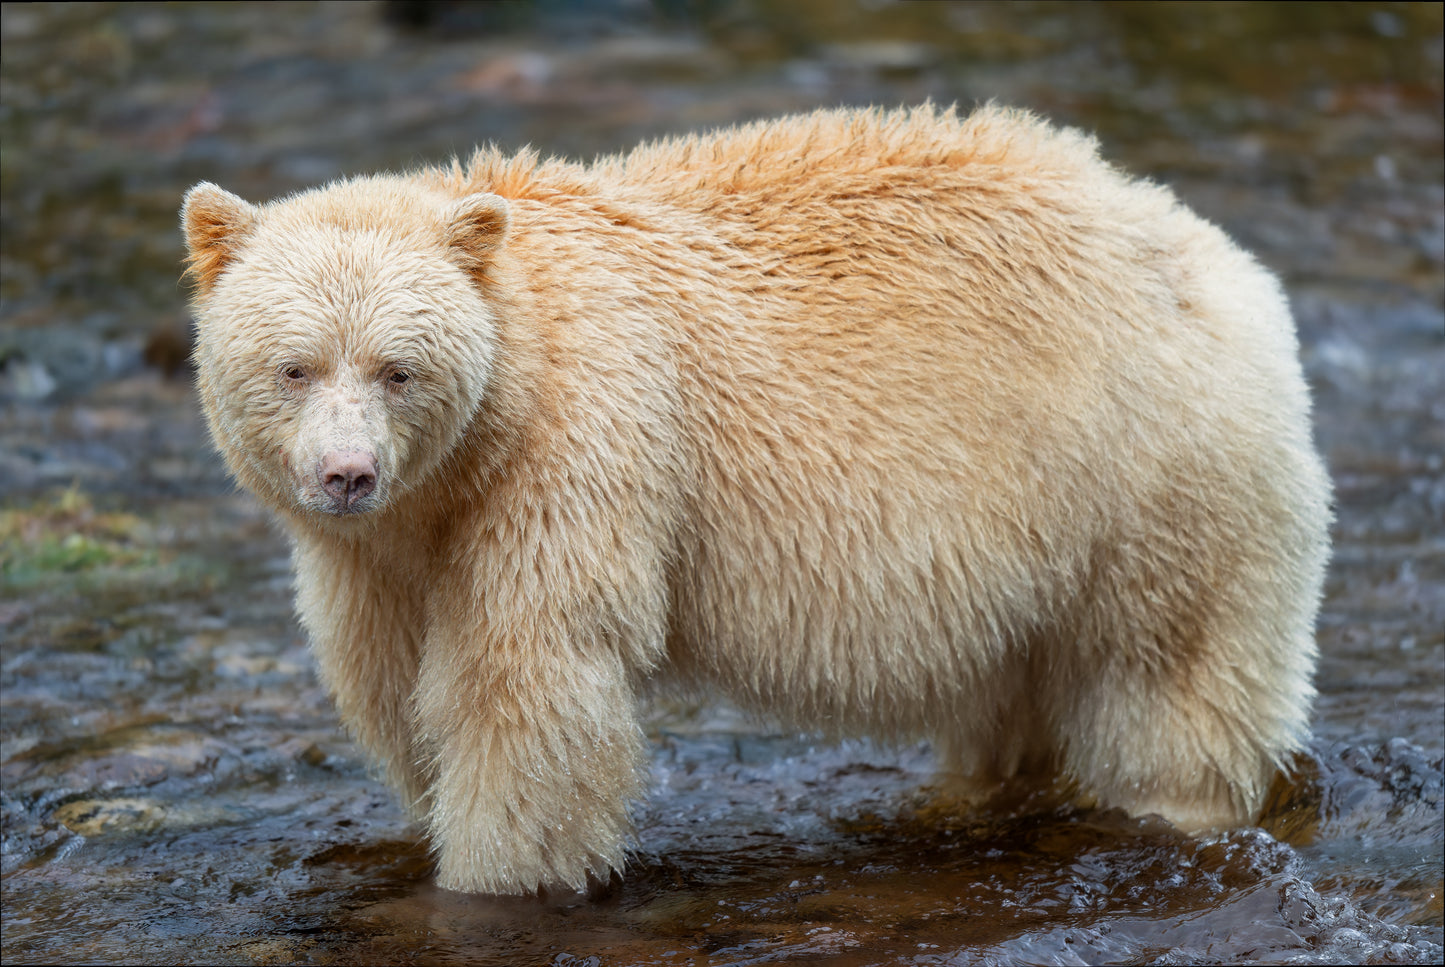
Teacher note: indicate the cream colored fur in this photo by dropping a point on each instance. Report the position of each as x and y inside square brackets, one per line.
[893, 423]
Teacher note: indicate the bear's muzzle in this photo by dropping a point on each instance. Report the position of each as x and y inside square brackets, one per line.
[347, 477]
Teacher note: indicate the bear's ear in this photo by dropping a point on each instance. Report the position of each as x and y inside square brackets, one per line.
[215, 222]
[476, 227]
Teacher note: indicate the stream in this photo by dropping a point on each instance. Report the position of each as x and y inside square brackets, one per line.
[174, 785]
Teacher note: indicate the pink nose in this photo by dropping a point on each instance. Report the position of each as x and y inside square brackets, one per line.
[347, 476]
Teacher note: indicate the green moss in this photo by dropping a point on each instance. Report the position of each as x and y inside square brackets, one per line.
[66, 534]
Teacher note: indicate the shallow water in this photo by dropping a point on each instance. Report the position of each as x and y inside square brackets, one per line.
[173, 784]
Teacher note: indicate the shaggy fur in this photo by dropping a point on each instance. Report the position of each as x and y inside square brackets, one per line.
[890, 423]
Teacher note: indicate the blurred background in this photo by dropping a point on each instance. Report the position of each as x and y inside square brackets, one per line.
[174, 784]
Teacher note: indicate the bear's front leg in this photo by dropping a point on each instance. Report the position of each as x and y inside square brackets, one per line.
[364, 624]
[535, 757]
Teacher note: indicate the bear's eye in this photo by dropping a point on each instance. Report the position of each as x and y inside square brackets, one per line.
[398, 377]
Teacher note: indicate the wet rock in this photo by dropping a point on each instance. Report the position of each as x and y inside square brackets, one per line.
[125, 769]
[27, 379]
[302, 750]
[886, 57]
[96, 817]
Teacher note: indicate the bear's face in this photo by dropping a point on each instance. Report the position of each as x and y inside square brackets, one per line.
[343, 344]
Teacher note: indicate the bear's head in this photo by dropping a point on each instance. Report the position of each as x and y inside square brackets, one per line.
[345, 337]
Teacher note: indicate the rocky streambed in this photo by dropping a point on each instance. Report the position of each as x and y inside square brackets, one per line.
[173, 784]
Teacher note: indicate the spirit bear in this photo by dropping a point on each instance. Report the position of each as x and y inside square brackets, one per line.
[887, 423]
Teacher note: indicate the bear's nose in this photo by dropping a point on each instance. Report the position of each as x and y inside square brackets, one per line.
[347, 476]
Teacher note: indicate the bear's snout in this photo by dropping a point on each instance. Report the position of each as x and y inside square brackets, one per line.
[347, 476]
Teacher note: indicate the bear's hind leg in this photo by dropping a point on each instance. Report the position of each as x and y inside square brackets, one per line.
[1003, 740]
[1196, 742]
[1181, 678]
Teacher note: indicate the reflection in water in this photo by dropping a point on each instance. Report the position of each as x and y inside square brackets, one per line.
[174, 787]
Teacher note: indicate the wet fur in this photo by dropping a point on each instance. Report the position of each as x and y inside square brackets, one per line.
[889, 423]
